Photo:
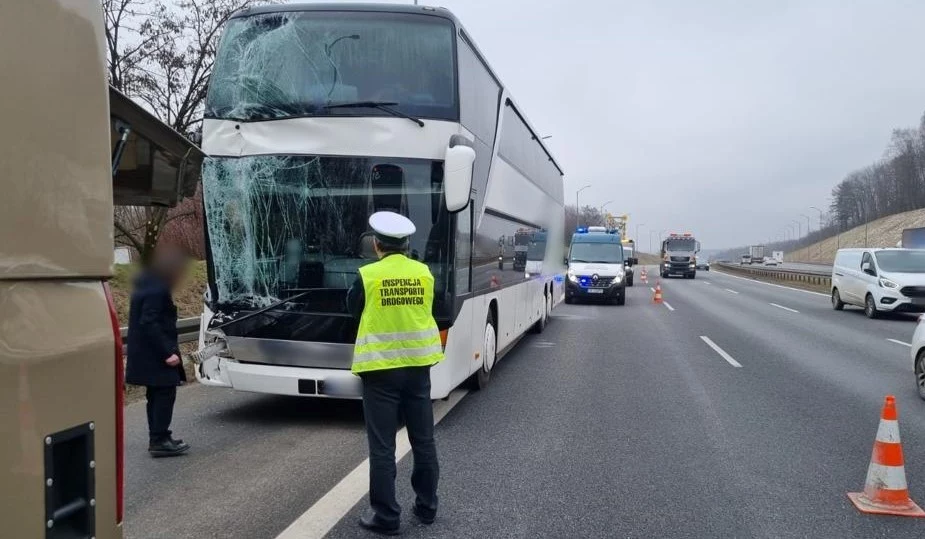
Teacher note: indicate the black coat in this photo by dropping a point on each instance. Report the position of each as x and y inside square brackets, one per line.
[152, 335]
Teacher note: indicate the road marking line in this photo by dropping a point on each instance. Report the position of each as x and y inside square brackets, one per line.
[652, 289]
[722, 353]
[772, 284]
[730, 290]
[666, 304]
[900, 342]
[784, 308]
[706, 282]
[333, 506]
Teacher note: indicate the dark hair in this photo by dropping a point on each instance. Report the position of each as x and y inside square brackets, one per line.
[391, 245]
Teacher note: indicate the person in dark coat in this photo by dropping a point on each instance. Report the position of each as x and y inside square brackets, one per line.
[153, 350]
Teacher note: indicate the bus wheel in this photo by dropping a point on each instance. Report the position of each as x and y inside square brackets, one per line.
[540, 324]
[489, 354]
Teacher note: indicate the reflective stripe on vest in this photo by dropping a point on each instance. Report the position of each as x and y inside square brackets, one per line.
[397, 328]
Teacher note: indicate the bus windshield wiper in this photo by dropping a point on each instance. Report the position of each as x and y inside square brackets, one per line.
[385, 106]
[302, 292]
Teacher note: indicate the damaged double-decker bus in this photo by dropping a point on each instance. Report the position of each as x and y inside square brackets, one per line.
[318, 116]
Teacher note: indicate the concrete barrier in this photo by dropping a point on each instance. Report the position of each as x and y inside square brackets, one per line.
[779, 274]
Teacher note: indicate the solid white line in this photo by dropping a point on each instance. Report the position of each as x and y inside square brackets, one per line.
[900, 342]
[706, 282]
[730, 290]
[327, 511]
[772, 284]
[784, 308]
[722, 353]
[666, 304]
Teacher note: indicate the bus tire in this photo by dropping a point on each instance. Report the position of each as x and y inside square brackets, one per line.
[540, 324]
[489, 354]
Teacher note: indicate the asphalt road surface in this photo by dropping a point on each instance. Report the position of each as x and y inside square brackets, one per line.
[628, 421]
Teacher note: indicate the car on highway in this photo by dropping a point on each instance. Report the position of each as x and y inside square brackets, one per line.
[770, 262]
[918, 356]
[879, 280]
[703, 264]
[596, 266]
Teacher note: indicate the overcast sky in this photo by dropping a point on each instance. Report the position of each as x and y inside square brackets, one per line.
[723, 118]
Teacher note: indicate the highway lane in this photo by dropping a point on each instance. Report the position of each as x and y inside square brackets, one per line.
[616, 422]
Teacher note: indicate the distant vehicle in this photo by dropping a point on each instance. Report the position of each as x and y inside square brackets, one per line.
[521, 243]
[756, 254]
[913, 238]
[629, 250]
[679, 256]
[778, 256]
[918, 356]
[746, 259]
[879, 280]
[703, 264]
[536, 253]
[596, 266]
[770, 261]
[68, 152]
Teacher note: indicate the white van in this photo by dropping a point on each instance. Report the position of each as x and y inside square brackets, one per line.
[879, 280]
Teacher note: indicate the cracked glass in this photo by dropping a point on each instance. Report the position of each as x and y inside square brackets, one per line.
[279, 225]
[290, 64]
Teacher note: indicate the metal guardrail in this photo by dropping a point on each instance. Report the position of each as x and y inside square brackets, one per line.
[187, 330]
[807, 276]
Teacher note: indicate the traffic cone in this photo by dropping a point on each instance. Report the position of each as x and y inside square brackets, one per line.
[494, 281]
[885, 490]
[645, 276]
[658, 293]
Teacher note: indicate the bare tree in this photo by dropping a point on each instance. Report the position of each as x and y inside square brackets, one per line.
[161, 53]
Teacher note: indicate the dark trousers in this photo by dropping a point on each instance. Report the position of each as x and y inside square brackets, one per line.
[160, 411]
[388, 397]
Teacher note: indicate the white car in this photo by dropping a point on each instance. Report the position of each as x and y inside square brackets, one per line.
[879, 280]
[918, 356]
[770, 262]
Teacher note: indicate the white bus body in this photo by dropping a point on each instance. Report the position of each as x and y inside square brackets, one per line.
[291, 180]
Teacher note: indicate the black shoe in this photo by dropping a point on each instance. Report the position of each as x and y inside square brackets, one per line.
[423, 516]
[180, 443]
[373, 525]
[167, 448]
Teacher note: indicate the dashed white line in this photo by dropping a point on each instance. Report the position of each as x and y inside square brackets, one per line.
[668, 305]
[706, 282]
[784, 308]
[772, 284]
[722, 353]
[327, 512]
[900, 342]
[730, 290]
[652, 289]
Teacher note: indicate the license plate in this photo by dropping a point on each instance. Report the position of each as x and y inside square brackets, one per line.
[595, 291]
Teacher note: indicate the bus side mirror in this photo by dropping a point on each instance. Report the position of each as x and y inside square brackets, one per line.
[457, 173]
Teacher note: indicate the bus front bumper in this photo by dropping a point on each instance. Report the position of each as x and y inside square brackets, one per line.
[295, 381]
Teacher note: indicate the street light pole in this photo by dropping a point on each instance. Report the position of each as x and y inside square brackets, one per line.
[799, 228]
[602, 211]
[578, 206]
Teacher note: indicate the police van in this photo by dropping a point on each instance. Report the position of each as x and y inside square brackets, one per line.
[596, 266]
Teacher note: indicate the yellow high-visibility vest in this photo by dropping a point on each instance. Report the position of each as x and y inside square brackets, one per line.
[397, 328]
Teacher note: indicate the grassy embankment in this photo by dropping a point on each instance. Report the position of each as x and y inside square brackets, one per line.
[884, 232]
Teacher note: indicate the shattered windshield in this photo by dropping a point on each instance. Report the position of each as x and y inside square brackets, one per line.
[282, 223]
[279, 65]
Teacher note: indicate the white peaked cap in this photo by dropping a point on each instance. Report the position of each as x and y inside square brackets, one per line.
[391, 225]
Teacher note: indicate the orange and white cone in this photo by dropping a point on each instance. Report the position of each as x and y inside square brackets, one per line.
[494, 281]
[658, 293]
[644, 276]
[885, 489]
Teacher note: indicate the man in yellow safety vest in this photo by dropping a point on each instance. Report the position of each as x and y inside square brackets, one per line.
[397, 343]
